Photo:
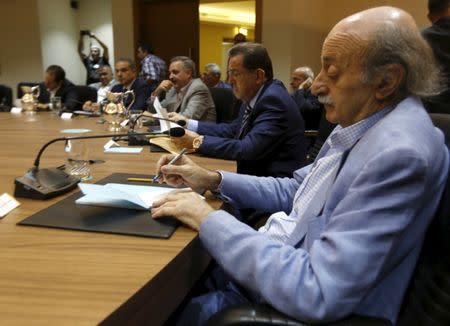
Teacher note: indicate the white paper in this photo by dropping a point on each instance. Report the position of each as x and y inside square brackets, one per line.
[7, 204]
[124, 150]
[66, 115]
[162, 113]
[16, 110]
[120, 195]
[110, 143]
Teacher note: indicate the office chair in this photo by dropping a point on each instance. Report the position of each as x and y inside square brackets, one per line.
[5, 98]
[227, 106]
[427, 300]
[19, 87]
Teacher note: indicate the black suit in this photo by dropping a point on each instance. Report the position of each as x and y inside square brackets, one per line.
[141, 93]
[438, 36]
[66, 92]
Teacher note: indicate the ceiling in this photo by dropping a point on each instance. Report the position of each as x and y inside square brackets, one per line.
[240, 13]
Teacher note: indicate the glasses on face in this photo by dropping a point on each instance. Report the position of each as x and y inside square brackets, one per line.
[234, 73]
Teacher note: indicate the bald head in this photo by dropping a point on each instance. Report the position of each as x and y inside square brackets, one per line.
[386, 35]
[300, 75]
[371, 60]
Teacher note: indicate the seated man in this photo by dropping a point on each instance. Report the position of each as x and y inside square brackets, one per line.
[55, 84]
[267, 137]
[186, 94]
[211, 77]
[126, 76]
[309, 106]
[349, 228]
[105, 85]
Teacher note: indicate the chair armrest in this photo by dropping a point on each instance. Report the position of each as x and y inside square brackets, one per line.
[263, 314]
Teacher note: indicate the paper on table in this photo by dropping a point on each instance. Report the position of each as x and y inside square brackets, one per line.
[7, 204]
[120, 195]
[162, 113]
[124, 150]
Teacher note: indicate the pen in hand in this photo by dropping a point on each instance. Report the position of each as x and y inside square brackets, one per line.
[176, 158]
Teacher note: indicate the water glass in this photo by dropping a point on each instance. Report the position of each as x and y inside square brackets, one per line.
[77, 159]
[56, 105]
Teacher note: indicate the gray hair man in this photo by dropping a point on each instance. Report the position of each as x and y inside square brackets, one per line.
[184, 93]
[211, 76]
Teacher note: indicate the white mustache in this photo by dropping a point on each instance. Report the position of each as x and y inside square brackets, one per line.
[325, 99]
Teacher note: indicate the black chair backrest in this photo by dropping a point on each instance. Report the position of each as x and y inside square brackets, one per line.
[427, 301]
[79, 94]
[227, 106]
[325, 129]
[5, 98]
[19, 87]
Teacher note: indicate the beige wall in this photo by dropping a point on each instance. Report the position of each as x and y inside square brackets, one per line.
[20, 39]
[293, 30]
[122, 21]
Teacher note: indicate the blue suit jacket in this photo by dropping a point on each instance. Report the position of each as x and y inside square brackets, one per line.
[273, 143]
[141, 93]
[354, 251]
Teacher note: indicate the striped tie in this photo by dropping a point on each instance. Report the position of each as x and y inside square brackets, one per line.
[245, 117]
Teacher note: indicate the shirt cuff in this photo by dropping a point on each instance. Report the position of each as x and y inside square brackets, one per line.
[192, 125]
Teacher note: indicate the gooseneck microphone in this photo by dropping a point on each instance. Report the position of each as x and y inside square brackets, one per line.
[49, 182]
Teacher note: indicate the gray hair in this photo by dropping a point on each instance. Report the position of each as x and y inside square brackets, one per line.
[405, 46]
[187, 62]
[130, 62]
[307, 71]
[214, 68]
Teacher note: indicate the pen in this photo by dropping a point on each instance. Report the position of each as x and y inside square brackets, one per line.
[176, 158]
[140, 179]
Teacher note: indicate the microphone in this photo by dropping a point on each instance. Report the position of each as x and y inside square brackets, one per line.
[49, 182]
[140, 139]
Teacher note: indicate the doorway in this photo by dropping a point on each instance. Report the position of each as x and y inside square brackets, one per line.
[219, 22]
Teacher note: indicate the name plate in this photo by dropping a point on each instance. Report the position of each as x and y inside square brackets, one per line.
[66, 115]
[7, 204]
[16, 110]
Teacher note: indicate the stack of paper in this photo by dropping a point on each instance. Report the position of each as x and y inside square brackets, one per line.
[121, 195]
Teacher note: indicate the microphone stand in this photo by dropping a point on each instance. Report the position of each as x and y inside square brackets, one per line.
[49, 182]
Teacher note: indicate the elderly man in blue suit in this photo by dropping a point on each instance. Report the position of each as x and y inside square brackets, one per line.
[348, 229]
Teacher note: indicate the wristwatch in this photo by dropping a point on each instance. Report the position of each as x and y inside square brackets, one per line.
[197, 142]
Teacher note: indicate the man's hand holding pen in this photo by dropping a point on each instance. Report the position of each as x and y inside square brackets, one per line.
[187, 207]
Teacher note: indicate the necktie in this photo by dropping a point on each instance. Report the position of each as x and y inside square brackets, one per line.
[245, 118]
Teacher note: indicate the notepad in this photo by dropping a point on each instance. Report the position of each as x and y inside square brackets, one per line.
[120, 195]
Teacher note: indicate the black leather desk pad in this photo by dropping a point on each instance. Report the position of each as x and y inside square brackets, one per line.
[65, 214]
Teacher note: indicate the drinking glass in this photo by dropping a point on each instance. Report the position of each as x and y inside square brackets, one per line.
[56, 105]
[77, 159]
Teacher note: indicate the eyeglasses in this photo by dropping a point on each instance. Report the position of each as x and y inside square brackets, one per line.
[234, 73]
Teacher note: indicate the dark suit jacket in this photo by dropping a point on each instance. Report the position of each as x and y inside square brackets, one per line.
[141, 93]
[309, 107]
[272, 145]
[66, 92]
[438, 36]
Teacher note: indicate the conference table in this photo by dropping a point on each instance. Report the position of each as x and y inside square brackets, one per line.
[61, 277]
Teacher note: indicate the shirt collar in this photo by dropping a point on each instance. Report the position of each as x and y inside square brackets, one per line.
[184, 89]
[344, 138]
[255, 98]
